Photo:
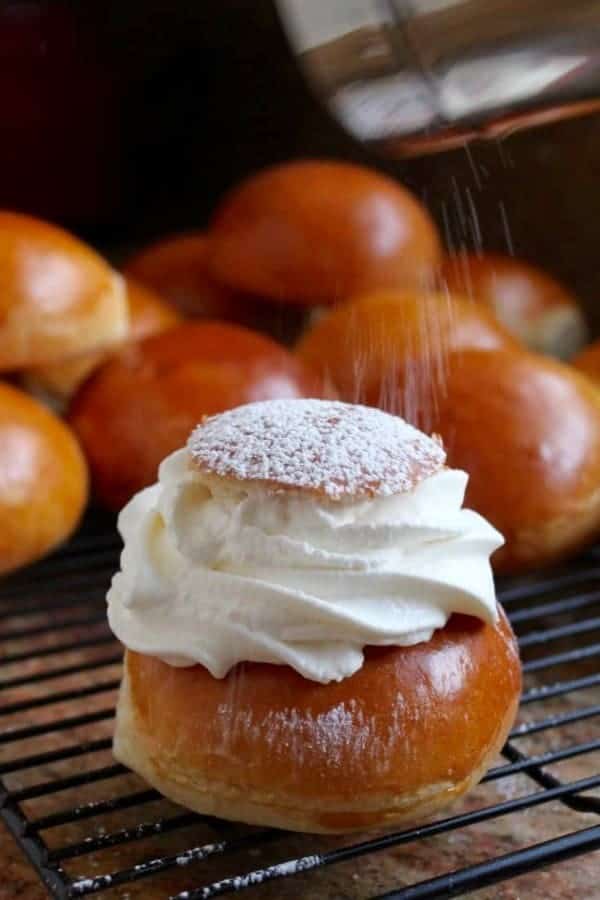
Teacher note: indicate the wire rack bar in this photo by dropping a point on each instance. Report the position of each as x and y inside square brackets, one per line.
[17, 634]
[57, 650]
[123, 836]
[563, 631]
[43, 759]
[86, 886]
[59, 697]
[529, 588]
[60, 672]
[302, 864]
[64, 784]
[560, 659]
[30, 731]
[557, 607]
[559, 688]
[457, 884]
[91, 810]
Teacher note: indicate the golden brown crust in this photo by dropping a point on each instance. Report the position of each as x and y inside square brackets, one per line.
[319, 232]
[529, 302]
[411, 730]
[58, 298]
[512, 288]
[144, 402]
[527, 430]
[176, 267]
[588, 361]
[325, 448]
[364, 347]
[43, 480]
[58, 381]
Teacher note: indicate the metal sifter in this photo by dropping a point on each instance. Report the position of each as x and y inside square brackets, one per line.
[420, 76]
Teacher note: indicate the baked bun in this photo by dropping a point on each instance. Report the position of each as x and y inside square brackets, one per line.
[56, 382]
[527, 430]
[367, 347]
[142, 404]
[315, 232]
[176, 267]
[588, 361]
[59, 298]
[292, 660]
[149, 312]
[43, 480]
[265, 745]
[533, 306]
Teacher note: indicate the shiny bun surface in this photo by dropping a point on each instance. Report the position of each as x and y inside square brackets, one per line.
[58, 297]
[143, 403]
[318, 232]
[407, 734]
[43, 480]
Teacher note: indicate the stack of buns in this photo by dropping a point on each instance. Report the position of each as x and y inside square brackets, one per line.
[347, 265]
[537, 308]
[59, 299]
[525, 427]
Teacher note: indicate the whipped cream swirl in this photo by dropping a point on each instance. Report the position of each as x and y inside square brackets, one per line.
[218, 572]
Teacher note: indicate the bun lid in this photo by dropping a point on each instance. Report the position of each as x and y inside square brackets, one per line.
[337, 450]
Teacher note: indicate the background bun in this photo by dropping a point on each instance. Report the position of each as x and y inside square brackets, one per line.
[43, 480]
[318, 232]
[56, 382]
[527, 430]
[59, 298]
[530, 303]
[389, 348]
[143, 404]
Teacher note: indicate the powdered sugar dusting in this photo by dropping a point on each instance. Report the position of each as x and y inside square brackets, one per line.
[338, 449]
[341, 737]
[258, 876]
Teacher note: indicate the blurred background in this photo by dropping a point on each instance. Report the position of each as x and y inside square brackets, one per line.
[124, 121]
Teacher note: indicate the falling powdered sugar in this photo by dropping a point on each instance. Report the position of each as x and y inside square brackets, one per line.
[337, 449]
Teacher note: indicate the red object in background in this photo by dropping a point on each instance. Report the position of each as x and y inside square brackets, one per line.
[59, 120]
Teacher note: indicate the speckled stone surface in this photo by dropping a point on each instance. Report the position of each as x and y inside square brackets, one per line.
[357, 879]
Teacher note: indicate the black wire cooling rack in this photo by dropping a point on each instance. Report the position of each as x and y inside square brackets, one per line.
[88, 826]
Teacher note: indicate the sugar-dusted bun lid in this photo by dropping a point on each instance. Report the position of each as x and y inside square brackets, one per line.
[58, 299]
[339, 450]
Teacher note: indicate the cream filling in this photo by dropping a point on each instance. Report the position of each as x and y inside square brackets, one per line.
[217, 572]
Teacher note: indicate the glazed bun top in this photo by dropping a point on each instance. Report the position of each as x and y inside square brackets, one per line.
[337, 450]
[320, 231]
[58, 297]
